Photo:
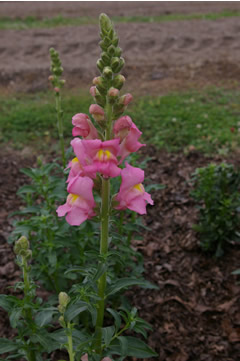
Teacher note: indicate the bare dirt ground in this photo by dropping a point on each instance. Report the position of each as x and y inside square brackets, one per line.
[159, 56]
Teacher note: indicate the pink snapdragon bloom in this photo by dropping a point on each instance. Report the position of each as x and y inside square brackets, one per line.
[80, 202]
[83, 127]
[132, 194]
[97, 156]
[128, 133]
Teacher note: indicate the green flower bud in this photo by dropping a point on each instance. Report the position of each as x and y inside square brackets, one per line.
[28, 254]
[118, 81]
[107, 41]
[63, 299]
[105, 58]
[103, 46]
[22, 244]
[105, 22]
[115, 40]
[118, 52]
[100, 64]
[107, 72]
[120, 66]
[61, 321]
[111, 50]
[115, 64]
[113, 94]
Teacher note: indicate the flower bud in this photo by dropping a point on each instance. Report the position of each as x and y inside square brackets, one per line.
[122, 127]
[22, 244]
[107, 72]
[113, 95]
[56, 89]
[115, 64]
[118, 81]
[120, 66]
[118, 52]
[126, 99]
[97, 112]
[111, 50]
[105, 58]
[100, 64]
[105, 22]
[28, 254]
[93, 91]
[51, 78]
[63, 300]
[61, 321]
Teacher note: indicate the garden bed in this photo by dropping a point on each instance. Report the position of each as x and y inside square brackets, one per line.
[195, 313]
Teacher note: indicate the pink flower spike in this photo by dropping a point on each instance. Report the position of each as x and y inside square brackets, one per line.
[84, 127]
[101, 157]
[132, 194]
[97, 112]
[80, 202]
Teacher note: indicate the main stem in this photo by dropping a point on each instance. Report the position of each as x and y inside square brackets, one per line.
[104, 241]
[70, 343]
[28, 312]
[60, 127]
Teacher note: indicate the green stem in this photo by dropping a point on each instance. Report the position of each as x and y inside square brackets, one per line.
[60, 127]
[28, 312]
[70, 343]
[103, 251]
[104, 240]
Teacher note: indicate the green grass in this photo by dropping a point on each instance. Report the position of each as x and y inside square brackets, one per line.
[174, 121]
[35, 22]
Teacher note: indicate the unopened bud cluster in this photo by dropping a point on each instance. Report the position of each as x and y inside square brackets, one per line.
[63, 300]
[56, 70]
[106, 88]
[21, 248]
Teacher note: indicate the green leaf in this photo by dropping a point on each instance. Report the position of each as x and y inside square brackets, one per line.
[7, 345]
[136, 348]
[108, 333]
[44, 317]
[124, 345]
[126, 282]
[74, 310]
[26, 189]
[100, 271]
[5, 302]
[43, 339]
[116, 317]
[237, 272]
[14, 317]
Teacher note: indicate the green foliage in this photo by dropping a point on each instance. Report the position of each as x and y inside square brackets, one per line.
[217, 193]
[174, 121]
[31, 22]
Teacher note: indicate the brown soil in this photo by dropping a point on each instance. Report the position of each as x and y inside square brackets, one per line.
[159, 56]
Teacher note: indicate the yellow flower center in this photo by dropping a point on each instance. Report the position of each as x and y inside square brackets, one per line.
[104, 155]
[75, 160]
[139, 187]
[72, 198]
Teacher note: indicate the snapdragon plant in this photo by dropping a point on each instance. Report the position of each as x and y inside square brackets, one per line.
[87, 258]
[100, 154]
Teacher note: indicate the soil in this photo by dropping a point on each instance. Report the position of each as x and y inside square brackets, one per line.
[195, 314]
[159, 56]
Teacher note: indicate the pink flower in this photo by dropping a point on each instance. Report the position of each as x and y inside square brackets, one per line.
[83, 127]
[80, 202]
[128, 133]
[97, 156]
[132, 194]
[97, 112]
[126, 99]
